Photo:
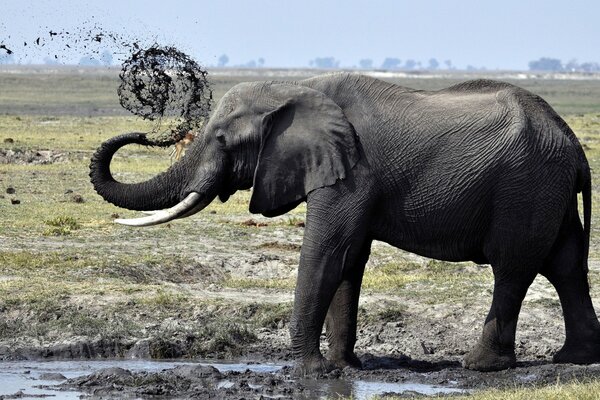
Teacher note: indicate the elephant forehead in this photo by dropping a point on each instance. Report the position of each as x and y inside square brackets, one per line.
[226, 106]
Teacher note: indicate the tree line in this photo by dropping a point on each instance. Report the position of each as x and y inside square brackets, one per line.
[543, 64]
[556, 65]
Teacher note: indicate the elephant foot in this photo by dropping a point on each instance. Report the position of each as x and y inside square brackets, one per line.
[484, 359]
[313, 366]
[586, 353]
[342, 360]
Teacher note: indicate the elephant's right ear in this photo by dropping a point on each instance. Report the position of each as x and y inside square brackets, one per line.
[307, 143]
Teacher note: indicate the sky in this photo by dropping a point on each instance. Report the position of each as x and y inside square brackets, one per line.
[503, 34]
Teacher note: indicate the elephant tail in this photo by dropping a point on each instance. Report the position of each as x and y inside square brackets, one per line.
[583, 185]
[586, 192]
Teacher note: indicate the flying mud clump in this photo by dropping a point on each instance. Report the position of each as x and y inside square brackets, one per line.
[164, 85]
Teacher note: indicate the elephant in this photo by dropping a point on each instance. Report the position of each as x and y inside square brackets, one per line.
[481, 171]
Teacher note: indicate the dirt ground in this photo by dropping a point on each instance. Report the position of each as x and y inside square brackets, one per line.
[420, 343]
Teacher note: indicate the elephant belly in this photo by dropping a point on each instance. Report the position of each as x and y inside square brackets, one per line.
[455, 232]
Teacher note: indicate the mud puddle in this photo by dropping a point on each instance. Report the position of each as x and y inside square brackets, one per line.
[144, 379]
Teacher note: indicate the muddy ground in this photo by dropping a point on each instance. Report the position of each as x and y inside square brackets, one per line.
[207, 382]
[402, 336]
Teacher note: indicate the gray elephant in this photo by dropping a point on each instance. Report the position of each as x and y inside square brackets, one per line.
[481, 171]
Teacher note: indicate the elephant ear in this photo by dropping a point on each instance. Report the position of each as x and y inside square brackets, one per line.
[307, 144]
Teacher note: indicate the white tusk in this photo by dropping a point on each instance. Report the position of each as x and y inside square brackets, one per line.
[199, 207]
[151, 212]
[163, 216]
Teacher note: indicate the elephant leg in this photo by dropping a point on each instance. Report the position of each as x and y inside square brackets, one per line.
[566, 270]
[496, 348]
[333, 241]
[340, 324]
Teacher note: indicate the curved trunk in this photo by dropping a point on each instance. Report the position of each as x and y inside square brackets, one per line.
[162, 191]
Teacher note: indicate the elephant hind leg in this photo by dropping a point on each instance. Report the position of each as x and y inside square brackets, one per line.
[496, 348]
[566, 269]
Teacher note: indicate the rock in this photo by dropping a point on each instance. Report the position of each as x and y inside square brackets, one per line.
[77, 198]
[52, 376]
[10, 190]
[15, 201]
[195, 372]
[9, 140]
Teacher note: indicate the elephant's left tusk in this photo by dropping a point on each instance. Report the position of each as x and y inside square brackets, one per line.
[162, 216]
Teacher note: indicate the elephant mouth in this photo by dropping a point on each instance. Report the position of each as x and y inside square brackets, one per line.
[193, 203]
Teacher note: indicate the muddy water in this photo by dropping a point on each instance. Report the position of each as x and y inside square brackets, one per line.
[39, 378]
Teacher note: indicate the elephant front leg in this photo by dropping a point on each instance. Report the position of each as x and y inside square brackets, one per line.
[315, 288]
[341, 320]
[327, 260]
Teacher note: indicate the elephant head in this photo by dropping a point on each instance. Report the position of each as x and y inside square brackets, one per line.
[282, 139]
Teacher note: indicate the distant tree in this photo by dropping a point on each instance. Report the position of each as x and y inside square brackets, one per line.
[410, 64]
[590, 67]
[572, 65]
[391, 63]
[546, 64]
[261, 62]
[366, 63]
[250, 64]
[106, 58]
[50, 60]
[433, 64]
[223, 60]
[448, 64]
[325, 63]
[88, 60]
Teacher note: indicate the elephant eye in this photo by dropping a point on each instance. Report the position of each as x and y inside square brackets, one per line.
[220, 136]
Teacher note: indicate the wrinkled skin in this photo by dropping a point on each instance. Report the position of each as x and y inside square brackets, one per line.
[482, 171]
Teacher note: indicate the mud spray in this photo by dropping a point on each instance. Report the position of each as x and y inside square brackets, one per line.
[164, 85]
[158, 83]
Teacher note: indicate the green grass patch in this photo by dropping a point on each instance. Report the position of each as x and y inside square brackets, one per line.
[166, 300]
[256, 283]
[585, 390]
[61, 225]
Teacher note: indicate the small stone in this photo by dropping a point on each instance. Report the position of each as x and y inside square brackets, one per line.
[52, 376]
[9, 140]
[68, 191]
[15, 201]
[77, 198]
[10, 190]
[115, 215]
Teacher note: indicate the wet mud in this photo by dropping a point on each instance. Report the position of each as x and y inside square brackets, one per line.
[381, 376]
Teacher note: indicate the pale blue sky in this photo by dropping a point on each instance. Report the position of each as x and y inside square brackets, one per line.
[501, 34]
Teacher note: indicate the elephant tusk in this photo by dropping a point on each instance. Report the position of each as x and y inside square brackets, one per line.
[162, 216]
[151, 212]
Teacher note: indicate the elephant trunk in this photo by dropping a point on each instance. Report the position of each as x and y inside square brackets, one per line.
[162, 191]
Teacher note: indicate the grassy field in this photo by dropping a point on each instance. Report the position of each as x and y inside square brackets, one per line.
[66, 271]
